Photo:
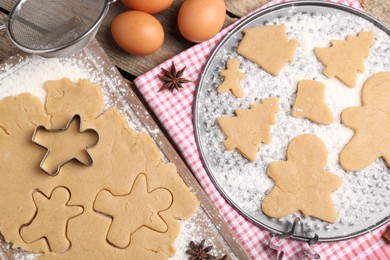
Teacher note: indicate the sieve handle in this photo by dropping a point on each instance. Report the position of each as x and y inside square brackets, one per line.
[111, 1]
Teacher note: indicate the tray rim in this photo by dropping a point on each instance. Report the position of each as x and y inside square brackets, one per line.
[237, 27]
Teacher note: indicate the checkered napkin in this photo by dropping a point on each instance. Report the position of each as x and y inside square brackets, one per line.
[174, 110]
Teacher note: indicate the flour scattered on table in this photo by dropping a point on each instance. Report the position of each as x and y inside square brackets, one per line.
[29, 74]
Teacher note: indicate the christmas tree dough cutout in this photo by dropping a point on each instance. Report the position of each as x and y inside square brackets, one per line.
[344, 58]
[142, 205]
[371, 123]
[301, 183]
[268, 46]
[53, 212]
[250, 127]
[309, 102]
[232, 77]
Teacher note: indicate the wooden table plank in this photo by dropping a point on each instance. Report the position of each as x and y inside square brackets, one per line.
[380, 9]
[8, 4]
[243, 7]
[6, 47]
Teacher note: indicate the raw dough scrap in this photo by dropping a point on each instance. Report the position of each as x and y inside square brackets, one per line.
[371, 123]
[232, 77]
[250, 127]
[344, 58]
[309, 102]
[268, 46]
[65, 144]
[142, 205]
[53, 212]
[301, 183]
[120, 156]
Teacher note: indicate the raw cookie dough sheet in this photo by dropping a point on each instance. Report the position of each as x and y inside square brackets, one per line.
[93, 64]
[362, 202]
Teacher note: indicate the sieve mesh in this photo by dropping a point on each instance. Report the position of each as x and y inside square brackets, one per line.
[53, 24]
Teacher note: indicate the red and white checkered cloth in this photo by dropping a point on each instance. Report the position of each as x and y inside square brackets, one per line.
[174, 110]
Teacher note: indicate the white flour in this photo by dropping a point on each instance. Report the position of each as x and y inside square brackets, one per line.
[191, 230]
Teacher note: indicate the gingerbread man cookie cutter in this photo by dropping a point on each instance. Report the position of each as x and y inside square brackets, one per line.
[43, 162]
[307, 249]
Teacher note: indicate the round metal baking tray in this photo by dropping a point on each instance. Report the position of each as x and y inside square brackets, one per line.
[209, 137]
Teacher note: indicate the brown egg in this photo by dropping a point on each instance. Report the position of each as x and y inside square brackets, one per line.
[148, 6]
[137, 32]
[200, 20]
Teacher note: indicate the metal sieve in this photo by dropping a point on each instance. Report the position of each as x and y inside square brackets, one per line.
[55, 28]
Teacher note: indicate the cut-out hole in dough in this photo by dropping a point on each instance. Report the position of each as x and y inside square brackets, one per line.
[138, 208]
[50, 220]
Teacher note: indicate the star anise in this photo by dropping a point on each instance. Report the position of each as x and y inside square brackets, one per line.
[172, 79]
[199, 252]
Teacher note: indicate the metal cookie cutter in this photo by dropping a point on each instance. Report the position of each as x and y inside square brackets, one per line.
[307, 250]
[76, 117]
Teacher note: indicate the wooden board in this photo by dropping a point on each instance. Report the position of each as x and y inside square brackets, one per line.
[210, 224]
[174, 43]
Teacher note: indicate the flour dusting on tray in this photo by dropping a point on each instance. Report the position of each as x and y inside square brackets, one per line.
[364, 195]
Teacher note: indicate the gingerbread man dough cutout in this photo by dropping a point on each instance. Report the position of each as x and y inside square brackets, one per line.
[310, 103]
[343, 59]
[141, 204]
[301, 183]
[250, 127]
[268, 46]
[232, 77]
[53, 212]
[371, 123]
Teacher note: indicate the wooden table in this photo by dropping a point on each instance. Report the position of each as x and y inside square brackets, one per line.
[132, 66]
